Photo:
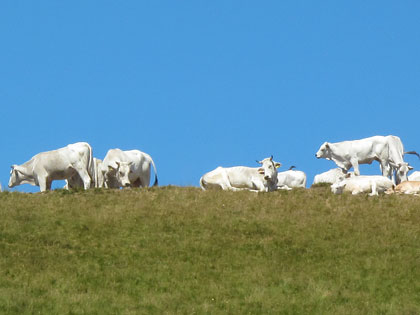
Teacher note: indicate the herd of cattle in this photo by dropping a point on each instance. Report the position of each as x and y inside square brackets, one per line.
[76, 165]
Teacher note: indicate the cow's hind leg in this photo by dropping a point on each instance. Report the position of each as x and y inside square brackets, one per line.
[84, 175]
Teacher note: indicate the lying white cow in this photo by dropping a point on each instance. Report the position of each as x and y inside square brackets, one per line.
[407, 187]
[58, 164]
[236, 178]
[127, 169]
[415, 176]
[291, 179]
[97, 181]
[362, 184]
[330, 177]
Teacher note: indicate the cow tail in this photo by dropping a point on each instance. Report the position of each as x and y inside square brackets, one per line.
[412, 152]
[202, 183]
[91, 166]
[154, 169]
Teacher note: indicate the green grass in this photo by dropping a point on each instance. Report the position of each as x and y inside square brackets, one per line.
[171, 250]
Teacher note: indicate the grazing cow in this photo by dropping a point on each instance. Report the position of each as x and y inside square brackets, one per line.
[407, 187]
[236, 178]
[291, 179]
[415, 176]
[97, 181]
[127, 169]
[330, 177]
[398, 168]
[58, 164]
[360, 184]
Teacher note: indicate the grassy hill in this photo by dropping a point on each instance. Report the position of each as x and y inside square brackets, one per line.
[173, 250]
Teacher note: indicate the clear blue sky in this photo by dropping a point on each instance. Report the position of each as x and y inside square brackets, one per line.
[198, 84]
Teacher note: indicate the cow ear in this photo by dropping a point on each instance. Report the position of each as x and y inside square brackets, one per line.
[129, 164]
[410, 167]
[111, 168]
[327, 145]
[277, 165]
[261, 171]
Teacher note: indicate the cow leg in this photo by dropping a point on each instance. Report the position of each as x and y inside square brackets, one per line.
[374, 189]
[43, 184]
[84, 175]
[48, 183]
[226, 185]
[137, 183]
[355, 164]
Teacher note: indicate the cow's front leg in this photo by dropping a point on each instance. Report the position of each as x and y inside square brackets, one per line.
[374, 189]
[355, 164]
[42, 182]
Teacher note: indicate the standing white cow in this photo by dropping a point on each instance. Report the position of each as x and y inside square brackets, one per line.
[363, 184]
[330, 177]
[291, 179]
[236, 178]
[349, 154]
[127, 169]
[58, 164]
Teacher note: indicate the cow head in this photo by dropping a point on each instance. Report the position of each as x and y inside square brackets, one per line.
[338, 187]
[17, 177]
[269, 169]
[401, 172]
[121, 172]
[324, 151]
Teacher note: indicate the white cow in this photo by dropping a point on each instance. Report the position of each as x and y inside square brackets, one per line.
[415, 176]
[236, 178]
[291, 179]
[349, 154]
[127, 169]
[359, 184]
[330, 177]
[58, 164]
[1, 188]
[76, 182]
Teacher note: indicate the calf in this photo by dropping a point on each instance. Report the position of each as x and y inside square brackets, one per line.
[407, 187]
